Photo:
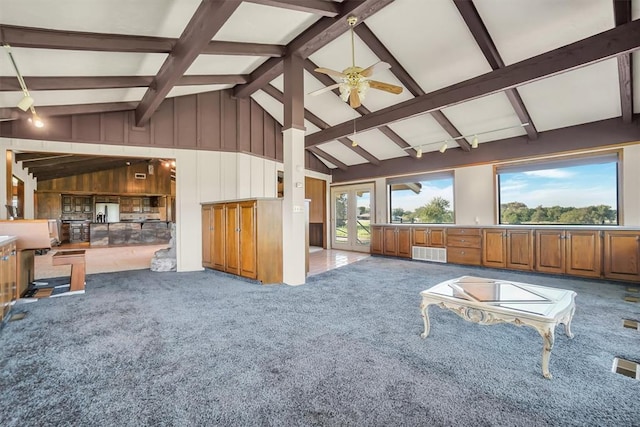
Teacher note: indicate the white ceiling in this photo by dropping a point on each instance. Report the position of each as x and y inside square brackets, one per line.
[430, 39]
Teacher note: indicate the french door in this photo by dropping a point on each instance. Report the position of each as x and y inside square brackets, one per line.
[352, 209]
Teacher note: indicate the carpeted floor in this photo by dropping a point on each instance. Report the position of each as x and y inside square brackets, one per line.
[206, 348]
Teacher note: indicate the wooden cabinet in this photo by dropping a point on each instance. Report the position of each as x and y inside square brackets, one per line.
[397, 241]
[244, 238]
[8, 282]
[622, 255]
[391, 240]
[508, 248]
[464, 246]
[377, 240]
[429, 236]
[75, 232]
[575, 252]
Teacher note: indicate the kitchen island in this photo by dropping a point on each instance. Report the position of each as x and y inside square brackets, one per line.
[130, 233]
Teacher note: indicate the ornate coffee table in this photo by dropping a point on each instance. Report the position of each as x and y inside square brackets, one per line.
[490, 301]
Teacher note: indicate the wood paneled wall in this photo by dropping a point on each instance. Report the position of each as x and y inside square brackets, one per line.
[113, 181]
[212, 121]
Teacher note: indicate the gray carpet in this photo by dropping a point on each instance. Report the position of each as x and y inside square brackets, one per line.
[206, 348]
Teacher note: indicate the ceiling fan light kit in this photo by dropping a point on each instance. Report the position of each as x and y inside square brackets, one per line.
[355, 80]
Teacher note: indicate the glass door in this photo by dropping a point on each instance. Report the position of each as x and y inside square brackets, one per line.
[351, 211]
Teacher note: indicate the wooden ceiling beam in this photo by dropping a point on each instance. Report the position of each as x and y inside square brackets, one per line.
[622, 15]
[318, 122]
[42, 38]
[609, 44]
[8, 84]
[63, 159]
[205, 23]
[381, 51]
[317, 7]
[26, 157]
[107, 107]
[328, 157]
[387, 131]
[487, 46]
[311, 40]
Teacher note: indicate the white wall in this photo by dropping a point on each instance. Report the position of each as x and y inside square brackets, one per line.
[474, 195]
[201, 176]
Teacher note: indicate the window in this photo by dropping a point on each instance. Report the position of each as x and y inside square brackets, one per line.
[423, 199]
[576, 191]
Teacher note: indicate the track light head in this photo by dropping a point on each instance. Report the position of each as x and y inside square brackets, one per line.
[444, 147]
[354, 143]
[419, 153]
[25, 103]
[474, 142]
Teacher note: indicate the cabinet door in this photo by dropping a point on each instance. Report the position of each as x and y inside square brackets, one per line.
[622, 255]
[520, 249]
[390, 241]
[248, 242]
[421, 236]
[87, 205]
[136, 204]
[207, 228]
[437, 237]
[218, 237]
[377, 240]
[550, 250]
[494, 251]
[67, 204]
[404, 242]
[583, 253]
[232, 238]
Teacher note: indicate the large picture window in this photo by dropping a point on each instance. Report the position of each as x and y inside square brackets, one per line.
[424, 199]
[577, 191]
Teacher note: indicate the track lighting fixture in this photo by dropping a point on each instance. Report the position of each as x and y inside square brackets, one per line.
[354, 143]
[445, 143]
[26, 103]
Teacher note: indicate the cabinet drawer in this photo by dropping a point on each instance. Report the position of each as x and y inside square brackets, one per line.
[463, 241]
[464, 232]
[470, 256]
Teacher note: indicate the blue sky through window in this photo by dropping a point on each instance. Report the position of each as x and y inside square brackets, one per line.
[409, 200]
[576, 186]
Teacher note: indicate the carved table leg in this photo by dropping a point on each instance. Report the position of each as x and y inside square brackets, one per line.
[424, 307]
[567, 322]
[547, 344]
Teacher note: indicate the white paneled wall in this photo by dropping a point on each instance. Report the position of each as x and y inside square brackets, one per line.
[473, 191]
[202, 176]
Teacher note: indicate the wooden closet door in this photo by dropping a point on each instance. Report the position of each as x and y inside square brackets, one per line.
[248, 240]
[232, 238]
[218, 237]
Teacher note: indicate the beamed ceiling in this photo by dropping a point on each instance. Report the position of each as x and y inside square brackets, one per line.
[492, 68]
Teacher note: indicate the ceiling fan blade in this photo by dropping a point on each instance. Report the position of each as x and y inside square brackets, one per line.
[354, 99]
[330, 72]
[387, 87]
[378, 66]
[324, 89]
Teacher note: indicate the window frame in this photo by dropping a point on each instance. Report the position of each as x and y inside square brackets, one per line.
[566, 161]
[431, 176]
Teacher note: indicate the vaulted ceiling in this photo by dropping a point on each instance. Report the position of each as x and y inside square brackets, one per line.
[490, 69]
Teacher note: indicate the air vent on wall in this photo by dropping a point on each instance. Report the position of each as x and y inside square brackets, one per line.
[429, 254]
[141, 176]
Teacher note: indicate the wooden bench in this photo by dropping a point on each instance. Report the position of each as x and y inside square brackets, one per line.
[74, 258]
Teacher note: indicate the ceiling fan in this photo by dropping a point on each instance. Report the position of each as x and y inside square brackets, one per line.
[355, 80]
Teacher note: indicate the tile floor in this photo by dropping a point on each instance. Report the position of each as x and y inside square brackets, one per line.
[104, 260]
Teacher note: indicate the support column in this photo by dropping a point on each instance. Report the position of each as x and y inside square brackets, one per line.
[293, 209]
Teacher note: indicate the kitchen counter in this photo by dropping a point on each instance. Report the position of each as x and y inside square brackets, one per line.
[130, 233]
